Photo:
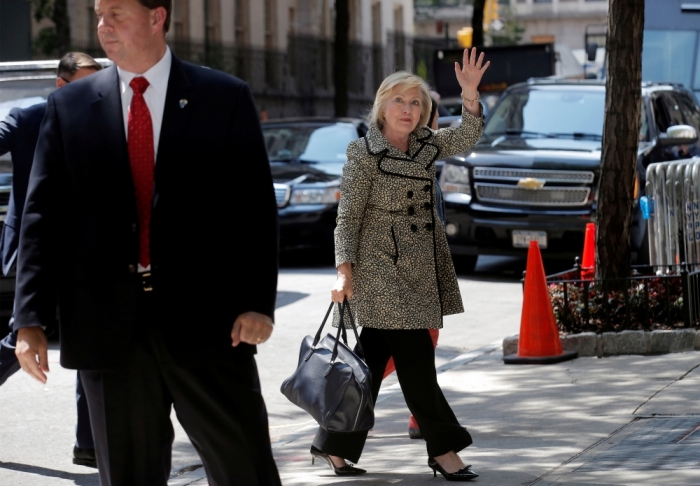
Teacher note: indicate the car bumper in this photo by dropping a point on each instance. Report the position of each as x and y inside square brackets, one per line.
[480, 230]
[307, 226]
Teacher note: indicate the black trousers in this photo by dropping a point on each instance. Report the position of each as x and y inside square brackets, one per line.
[414, 357]
[220, 406]
[83, 430]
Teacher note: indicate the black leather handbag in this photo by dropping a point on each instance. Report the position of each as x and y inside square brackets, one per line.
[331, 382]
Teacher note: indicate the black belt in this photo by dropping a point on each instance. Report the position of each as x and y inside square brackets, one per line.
[146, 281]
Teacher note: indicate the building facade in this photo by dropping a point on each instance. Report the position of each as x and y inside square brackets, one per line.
[282, 48]
[561, 21]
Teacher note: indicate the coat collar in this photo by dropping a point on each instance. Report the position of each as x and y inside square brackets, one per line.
[377, 144]
[416, 165]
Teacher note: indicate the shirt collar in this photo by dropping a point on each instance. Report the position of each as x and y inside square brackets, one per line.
[157, 76]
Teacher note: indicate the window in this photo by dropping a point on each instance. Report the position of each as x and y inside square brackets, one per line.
[377, 23]
[398, 18]
[689, 110]
[181, 26]
[355, 23]
[325, 24]
[549, 112]
[292, 20]
[213, 20]
[241, 22]
[92, 25]
[270, 23]
[696, 85]
[667, 55]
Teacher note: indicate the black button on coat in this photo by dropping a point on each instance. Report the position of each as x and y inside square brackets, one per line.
[402, 278]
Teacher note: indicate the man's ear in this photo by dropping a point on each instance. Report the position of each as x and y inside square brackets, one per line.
[158, 16]
[60, 82]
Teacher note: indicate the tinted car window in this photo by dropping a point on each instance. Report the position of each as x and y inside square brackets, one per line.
[309, 143]
[549, 111]
[690, 111]
[23, 93]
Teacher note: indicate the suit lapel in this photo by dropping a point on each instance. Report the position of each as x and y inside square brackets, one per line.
[176, 113]
[107, 111]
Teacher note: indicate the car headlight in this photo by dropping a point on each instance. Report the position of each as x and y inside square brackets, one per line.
[455, 178]
[325, 195]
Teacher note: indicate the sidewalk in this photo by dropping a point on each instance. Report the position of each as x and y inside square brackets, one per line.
[625, 420]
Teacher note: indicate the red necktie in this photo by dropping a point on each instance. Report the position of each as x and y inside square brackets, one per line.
[141, 154]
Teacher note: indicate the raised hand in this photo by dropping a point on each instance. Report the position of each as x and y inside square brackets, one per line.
[469, 75]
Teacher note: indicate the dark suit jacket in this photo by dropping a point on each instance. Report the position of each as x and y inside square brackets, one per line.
[213, 227]
[18, 135]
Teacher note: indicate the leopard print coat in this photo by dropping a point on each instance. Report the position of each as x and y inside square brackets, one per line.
[388, 228]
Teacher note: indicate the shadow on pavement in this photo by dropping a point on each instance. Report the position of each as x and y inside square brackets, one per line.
[87, 479]
[286, 298]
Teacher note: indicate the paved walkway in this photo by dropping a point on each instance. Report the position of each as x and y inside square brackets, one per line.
[624, 420]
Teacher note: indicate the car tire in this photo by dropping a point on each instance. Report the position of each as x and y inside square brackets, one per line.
[465, 263]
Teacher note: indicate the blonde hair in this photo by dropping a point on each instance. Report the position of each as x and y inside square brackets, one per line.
[406, 80]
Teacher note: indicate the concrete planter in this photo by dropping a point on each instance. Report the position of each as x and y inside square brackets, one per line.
[625, 342]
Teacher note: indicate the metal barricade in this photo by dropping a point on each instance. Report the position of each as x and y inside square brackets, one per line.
[672, 209]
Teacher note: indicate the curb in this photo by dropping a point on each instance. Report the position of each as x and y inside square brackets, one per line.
[621, 343]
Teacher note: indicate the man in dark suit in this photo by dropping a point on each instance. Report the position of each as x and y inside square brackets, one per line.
[19, 133]
[151, 219]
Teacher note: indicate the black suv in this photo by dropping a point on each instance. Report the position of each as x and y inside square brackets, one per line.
[534, 173]
[306, 158]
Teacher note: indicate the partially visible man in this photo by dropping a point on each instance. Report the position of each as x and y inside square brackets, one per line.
[151, 198]
[18, 135]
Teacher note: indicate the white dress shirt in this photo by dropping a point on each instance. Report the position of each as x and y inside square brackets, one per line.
[154, 96]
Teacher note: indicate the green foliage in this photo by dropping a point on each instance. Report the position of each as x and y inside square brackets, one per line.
[512, 31]
[422, 69]
[42, 9]
[46, 41]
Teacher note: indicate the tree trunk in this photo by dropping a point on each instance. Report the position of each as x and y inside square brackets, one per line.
[61, 20]
[478, 23]
[620, 138]
[341, 57]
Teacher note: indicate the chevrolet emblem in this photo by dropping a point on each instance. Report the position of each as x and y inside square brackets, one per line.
[531, 183]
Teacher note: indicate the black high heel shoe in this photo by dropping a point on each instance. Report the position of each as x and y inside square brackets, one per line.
[347, 470]
[464, 474]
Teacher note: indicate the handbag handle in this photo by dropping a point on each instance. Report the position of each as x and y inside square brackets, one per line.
[341, 329]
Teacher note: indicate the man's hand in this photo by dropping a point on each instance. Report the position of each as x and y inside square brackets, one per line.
[251, 328]
[32, 352]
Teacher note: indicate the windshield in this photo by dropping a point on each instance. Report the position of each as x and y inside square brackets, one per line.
[23, 93]
[554, 113]
[309, 143]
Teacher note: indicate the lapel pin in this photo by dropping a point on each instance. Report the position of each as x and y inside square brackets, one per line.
[183, 103]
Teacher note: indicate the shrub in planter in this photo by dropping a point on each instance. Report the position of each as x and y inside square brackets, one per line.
[648, 302]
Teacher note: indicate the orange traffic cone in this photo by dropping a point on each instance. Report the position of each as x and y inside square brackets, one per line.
[588, 263]
[539, 341]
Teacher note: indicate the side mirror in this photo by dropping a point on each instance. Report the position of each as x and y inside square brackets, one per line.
[591, 51]
[679, 135]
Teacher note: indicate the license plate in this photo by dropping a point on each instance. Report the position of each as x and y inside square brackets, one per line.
[522, 239]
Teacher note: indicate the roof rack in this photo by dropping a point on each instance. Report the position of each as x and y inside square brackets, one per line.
[647, 84]
[560, 80]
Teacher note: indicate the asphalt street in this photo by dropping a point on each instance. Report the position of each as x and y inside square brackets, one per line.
[37, 433]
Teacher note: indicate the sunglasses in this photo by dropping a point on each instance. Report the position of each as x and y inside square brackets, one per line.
[64, 79]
